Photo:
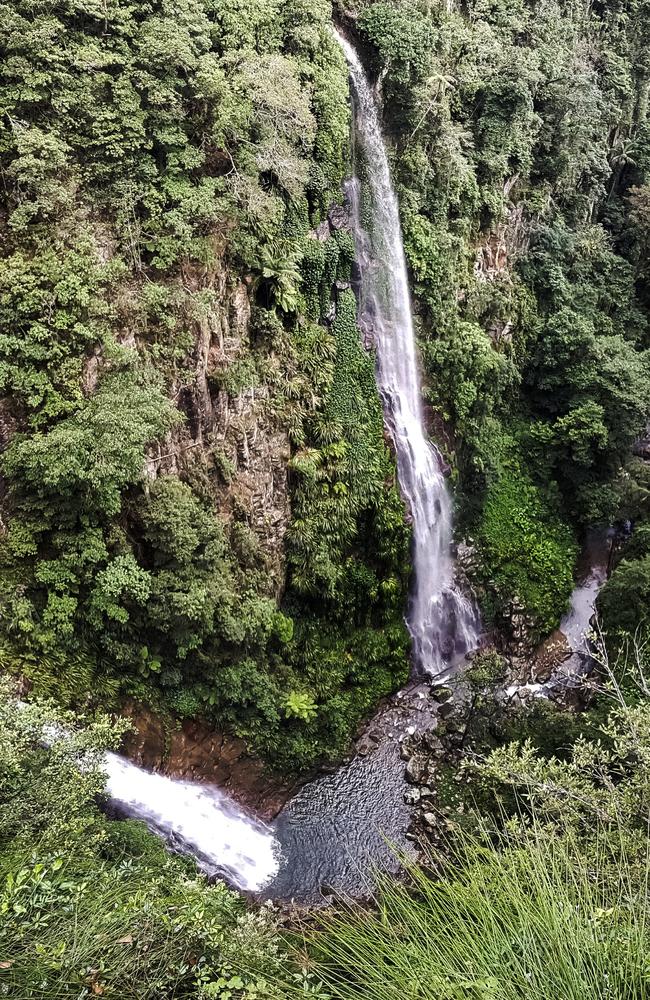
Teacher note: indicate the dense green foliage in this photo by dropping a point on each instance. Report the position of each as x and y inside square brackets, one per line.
[534, 920]
[521, 151]
[163, 165]
[93, 907]
[624, 602]
[522, 563]
[167, 280]
[152, 158]
[553, 901]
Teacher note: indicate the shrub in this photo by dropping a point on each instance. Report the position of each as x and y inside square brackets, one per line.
[527, 552]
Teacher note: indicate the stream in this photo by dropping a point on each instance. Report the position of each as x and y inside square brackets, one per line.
[343, 826]
[591, 575]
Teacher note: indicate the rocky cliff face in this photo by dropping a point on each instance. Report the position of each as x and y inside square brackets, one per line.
[196, 751]
[230, 441]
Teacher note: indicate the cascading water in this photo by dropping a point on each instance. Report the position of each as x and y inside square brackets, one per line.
[198, 820]
[194, 819]
[442, 621]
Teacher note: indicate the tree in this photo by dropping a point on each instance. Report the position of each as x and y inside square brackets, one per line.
[624, 601]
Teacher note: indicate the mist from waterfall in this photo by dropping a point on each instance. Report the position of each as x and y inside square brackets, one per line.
[442, 621]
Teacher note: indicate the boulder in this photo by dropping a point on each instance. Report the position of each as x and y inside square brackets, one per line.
[520, 627]
[432, 742]
[416, 769]
[549, 655]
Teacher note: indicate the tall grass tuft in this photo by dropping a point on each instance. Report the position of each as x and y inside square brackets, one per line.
[538, 919]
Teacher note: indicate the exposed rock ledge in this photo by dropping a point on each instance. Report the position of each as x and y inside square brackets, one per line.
[196, 751]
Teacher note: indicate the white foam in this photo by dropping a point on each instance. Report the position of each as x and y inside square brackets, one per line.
[198, 819]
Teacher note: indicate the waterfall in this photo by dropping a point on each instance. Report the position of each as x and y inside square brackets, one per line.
[195, 819]
[442, 621]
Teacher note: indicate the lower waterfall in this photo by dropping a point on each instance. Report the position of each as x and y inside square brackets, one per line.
[195, 819]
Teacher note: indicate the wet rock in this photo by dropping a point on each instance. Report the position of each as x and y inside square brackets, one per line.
[430, 819]
[520, 670]
[412, 796]
[549, 655]
[446, 710]
[416, 769]
[467, 557]
[338, 218]
[520, 627]
[432, 742]
[440, 692]
[368, 334]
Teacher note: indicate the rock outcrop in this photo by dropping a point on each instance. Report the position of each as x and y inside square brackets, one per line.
[549, 655]
[230, 443]
[194, 750]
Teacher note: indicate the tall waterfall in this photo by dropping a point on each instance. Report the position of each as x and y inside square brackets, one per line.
[442, 621]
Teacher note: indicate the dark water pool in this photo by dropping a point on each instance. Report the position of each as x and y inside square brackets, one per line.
[341, 827]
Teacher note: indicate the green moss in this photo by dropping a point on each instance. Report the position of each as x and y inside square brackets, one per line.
[527, 551]
[345, 243]
[312, 267]
[328, 277]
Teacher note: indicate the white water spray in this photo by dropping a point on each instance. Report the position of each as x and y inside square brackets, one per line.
[193, 818]
[443, 623]
[196, 819]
